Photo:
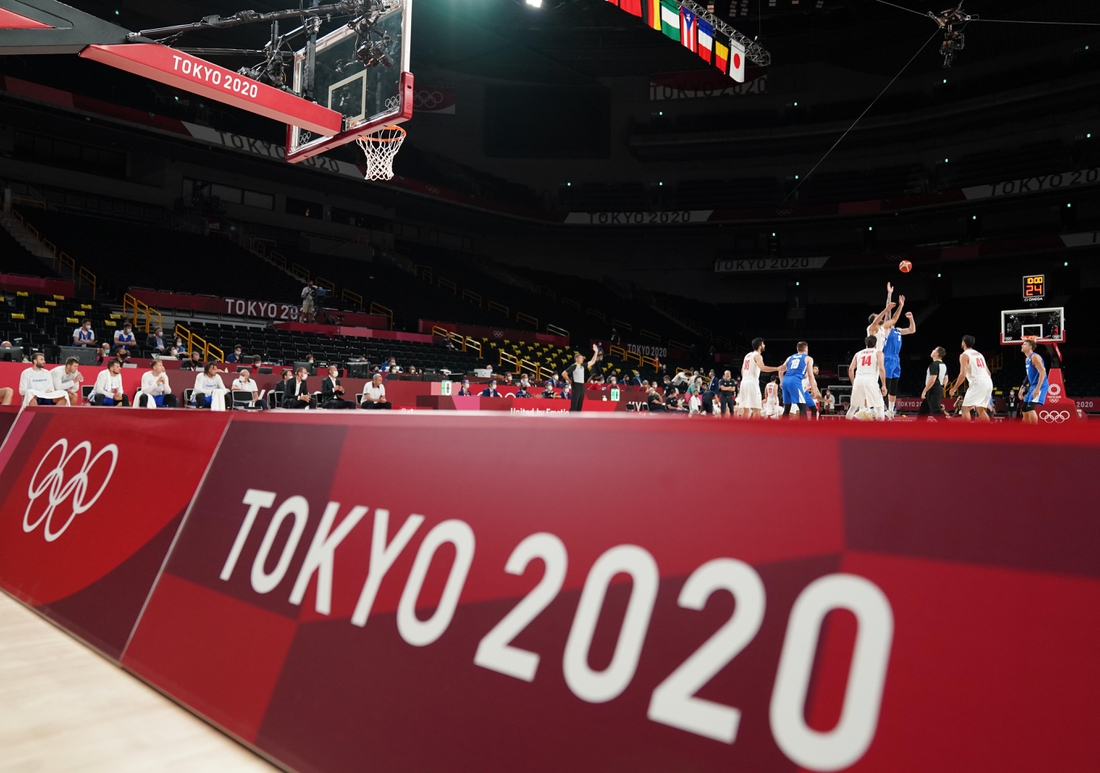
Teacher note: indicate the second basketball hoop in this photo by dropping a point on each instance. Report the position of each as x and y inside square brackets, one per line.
[380, 148]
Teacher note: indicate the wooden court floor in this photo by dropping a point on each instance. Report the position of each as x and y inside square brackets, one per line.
[64, 708]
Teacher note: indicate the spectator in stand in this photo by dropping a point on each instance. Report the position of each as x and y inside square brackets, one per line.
[548, 391]
[194, 362]
[235, 356]
[122, 354]
[155, 387]
[524, 389]
[108, 386]
[507, 379]
[125, 336]
[491, 390]
[310, 361]
[67, 378]
[179, 345]
[374, 395]
[208, 385]
[244, 383]
[566, 392]
[83, 335]
[280, 388]
[39, 381]
[155, 341]
[309, 302]
[635, 380]
[332, 393]
[616, 339]
[666, 383]
[829, 401]
[257, 362]
[654, 401]
[296, 393]
[464, 390]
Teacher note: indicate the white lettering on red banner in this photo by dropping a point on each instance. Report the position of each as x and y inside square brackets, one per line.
[736, 265]
[639, 218]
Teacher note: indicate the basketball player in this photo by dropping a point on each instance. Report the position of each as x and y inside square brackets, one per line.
[973, 370]
[891, 350]
[798, 366]
[748, 400]
[867, 374]
[932, 396]
[1034, 393]
[874, 322]
[771, 399]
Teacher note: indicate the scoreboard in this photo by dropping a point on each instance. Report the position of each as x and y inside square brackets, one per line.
[1035, 287]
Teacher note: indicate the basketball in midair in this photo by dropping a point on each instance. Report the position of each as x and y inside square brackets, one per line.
[905, 267]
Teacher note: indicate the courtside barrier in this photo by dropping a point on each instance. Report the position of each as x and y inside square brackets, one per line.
[413, 592]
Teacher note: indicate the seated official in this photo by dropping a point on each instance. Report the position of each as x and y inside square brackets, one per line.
[83, 335]
[523, 391]
[244, 383]
[491, 390]
[236, 356]
[566, 392]
[374, 395]
[155, 387]
[296, 391]
[122, 354]
[103, 355]
[108, 386]
[125, 336]
[154, 342]
[548, 392]
[332, 393]
[464, 390]
[194, 362]
[507, 379]
[280, 388]
[207, 384]
[654, 400]
[39, 380]
[67, 379]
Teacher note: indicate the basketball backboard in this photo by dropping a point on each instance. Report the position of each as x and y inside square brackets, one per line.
[367, 97]
[1046, 326]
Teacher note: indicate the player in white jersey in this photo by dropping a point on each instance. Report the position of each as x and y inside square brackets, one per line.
[748, 399]
[979, 391]
[771, 399]
[874, 322]
[867, 373]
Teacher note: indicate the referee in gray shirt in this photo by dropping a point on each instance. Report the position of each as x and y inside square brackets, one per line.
[932, 396]
[576, 375]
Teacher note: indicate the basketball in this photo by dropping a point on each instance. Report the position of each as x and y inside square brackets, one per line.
[905, 267]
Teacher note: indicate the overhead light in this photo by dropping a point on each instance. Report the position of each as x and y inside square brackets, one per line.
[535, 3]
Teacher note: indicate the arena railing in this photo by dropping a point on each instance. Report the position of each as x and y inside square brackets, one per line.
[378, 308]
[194, 342]
[79, 275]
[354, 297]
[141, 308]
[527, 319]
[555, 330]
[494, 306]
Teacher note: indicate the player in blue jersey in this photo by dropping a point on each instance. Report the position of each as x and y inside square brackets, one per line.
[891, 352]
[798, 366]
[1034, 393]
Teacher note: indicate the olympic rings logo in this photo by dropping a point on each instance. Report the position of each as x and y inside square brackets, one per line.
[59, 489]
[429, 99]
[1055, 390]
[1055, 417]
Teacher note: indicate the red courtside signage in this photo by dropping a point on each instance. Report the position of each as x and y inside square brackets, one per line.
[184, 71]
[373, 600]
[90, 507]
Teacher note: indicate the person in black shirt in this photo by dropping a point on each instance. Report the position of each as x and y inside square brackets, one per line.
[1012, 401]
[727, 391]
[932, 396]
[577, 374]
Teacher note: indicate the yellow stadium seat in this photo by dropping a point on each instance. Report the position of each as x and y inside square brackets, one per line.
[41, 310]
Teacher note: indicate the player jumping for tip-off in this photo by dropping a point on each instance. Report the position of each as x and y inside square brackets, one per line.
[874, 322]
[1034, 392]
[973, 370]
[891, 351]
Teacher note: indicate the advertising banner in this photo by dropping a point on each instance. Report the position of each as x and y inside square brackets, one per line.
[434, 99]
[92, 500]
[414, 592]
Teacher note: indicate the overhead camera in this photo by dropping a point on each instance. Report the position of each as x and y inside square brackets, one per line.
[372, 53]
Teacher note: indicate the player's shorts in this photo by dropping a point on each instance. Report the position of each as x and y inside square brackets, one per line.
[792, 392]
[866, 393]
[750, 395]
[43, 401]
[1029, 406]
[893, 367]
[979, 394]
[892, 385]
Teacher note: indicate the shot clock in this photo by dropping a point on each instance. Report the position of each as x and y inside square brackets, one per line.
[1035, 287]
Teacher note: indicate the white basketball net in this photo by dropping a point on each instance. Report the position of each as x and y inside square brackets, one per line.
[380, 149]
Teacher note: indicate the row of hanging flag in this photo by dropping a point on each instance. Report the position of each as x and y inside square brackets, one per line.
[692, 31]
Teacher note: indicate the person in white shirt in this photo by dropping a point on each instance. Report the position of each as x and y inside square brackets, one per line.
[374, 395]
[208, 385]
[38, 381]
[67, 378]
[155, 387]
[108, 386]
[83, 335]
[244, 383]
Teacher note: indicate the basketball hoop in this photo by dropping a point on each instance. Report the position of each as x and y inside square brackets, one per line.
[380, 149]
